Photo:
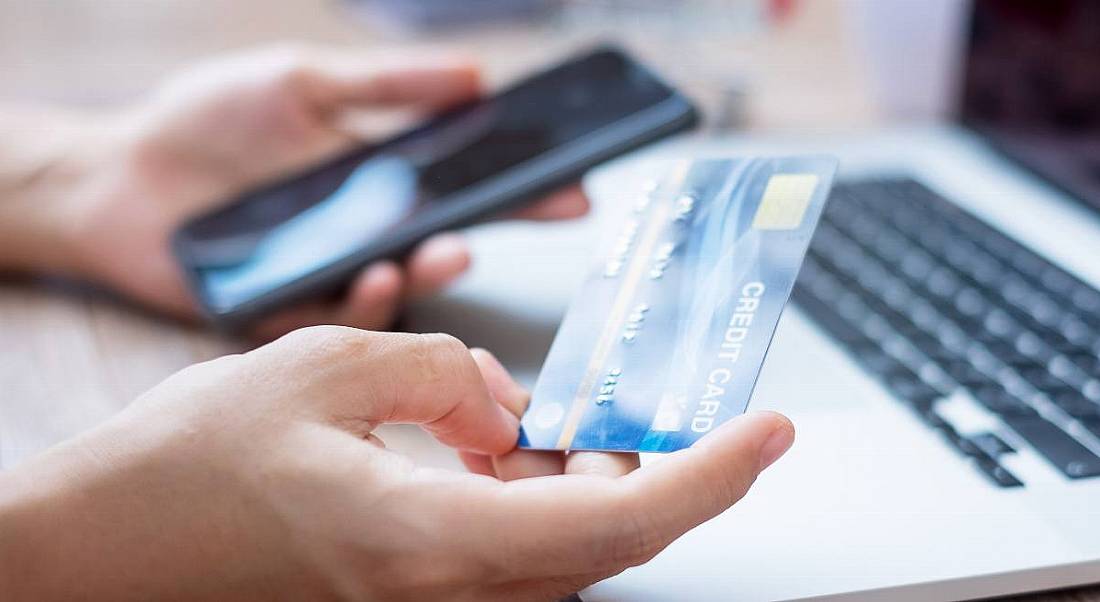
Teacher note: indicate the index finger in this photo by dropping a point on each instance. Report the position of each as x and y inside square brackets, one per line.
[517, 463]
[359, 379]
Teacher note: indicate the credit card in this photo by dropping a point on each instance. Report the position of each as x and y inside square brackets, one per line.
[668, 333]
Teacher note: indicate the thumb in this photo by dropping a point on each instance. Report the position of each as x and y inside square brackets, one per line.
[695, 484]
[615, 522]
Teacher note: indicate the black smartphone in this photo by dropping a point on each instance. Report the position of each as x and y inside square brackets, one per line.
[308, 235]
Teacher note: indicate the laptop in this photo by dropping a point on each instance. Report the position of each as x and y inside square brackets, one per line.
[941, 355]
[939, 358]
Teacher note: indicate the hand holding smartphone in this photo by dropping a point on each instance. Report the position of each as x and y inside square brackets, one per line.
[309, 234]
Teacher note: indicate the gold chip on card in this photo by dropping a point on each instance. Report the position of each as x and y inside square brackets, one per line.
[785, 200]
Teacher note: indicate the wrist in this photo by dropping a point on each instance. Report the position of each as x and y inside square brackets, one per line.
[34, 531]
[69, 525]
[49, 167]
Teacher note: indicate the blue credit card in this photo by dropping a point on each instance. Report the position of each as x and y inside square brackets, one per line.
[666, 337]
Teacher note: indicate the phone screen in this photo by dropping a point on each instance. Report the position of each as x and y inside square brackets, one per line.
[278, 234]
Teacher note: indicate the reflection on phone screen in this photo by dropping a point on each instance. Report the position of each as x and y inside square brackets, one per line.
[284, 232]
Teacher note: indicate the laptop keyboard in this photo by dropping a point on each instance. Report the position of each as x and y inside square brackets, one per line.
[934, 303]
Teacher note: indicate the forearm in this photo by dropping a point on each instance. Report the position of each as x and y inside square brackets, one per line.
[75, 522]
[40, 547]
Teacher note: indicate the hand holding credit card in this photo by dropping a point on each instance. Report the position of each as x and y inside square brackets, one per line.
[666, 338]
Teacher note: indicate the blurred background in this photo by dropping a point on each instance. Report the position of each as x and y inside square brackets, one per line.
[794, 65]
[751, 63]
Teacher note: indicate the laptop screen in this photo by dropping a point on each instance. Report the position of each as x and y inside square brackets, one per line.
[1032, 87]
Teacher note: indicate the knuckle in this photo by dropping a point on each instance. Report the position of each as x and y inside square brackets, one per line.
[291, 63]
[731, 489]
[310, 336]
[203, 377]
[444, 342]
[441, 356]
[636, 538]
[324, 342]
[440, 565]
[214, 368]
[197, 395]
[290, 53]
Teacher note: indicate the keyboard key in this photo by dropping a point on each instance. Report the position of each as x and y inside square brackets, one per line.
[932, 374]
[1075, 404]
[984, 269]
[954, 340]
[1033, 347]
[964, 373]
[1087, 362]
[1043, 380]
[992, 444]
[1044, 310]
[959, 251]
[1057, 281]
[985, 462]
[965, 445]
[889, 246]
[970, 302]
[942, 283]
[1086, 299]
[999, 401]
[1090, 318]
[909, 387]
[927, 343]
[982, 359]
[1001, 324]
[935, 421]
[1008, 354]
[1028, 263]
[1076, 330]
[916, 266]
[1092, 425]
[997, 473]
[1067, 371]
[1091, 390]
[826, 318]
[924, 315]
[878, 362]
[1063, 451]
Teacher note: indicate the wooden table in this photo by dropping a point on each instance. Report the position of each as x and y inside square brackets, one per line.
[71, 358]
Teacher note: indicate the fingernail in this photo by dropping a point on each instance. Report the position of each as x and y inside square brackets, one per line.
[777, 444]
[446, 242]
[449, 249]
[382, 271]
[510, 418]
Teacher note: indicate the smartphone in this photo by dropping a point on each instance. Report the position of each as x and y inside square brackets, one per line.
[308, 235]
